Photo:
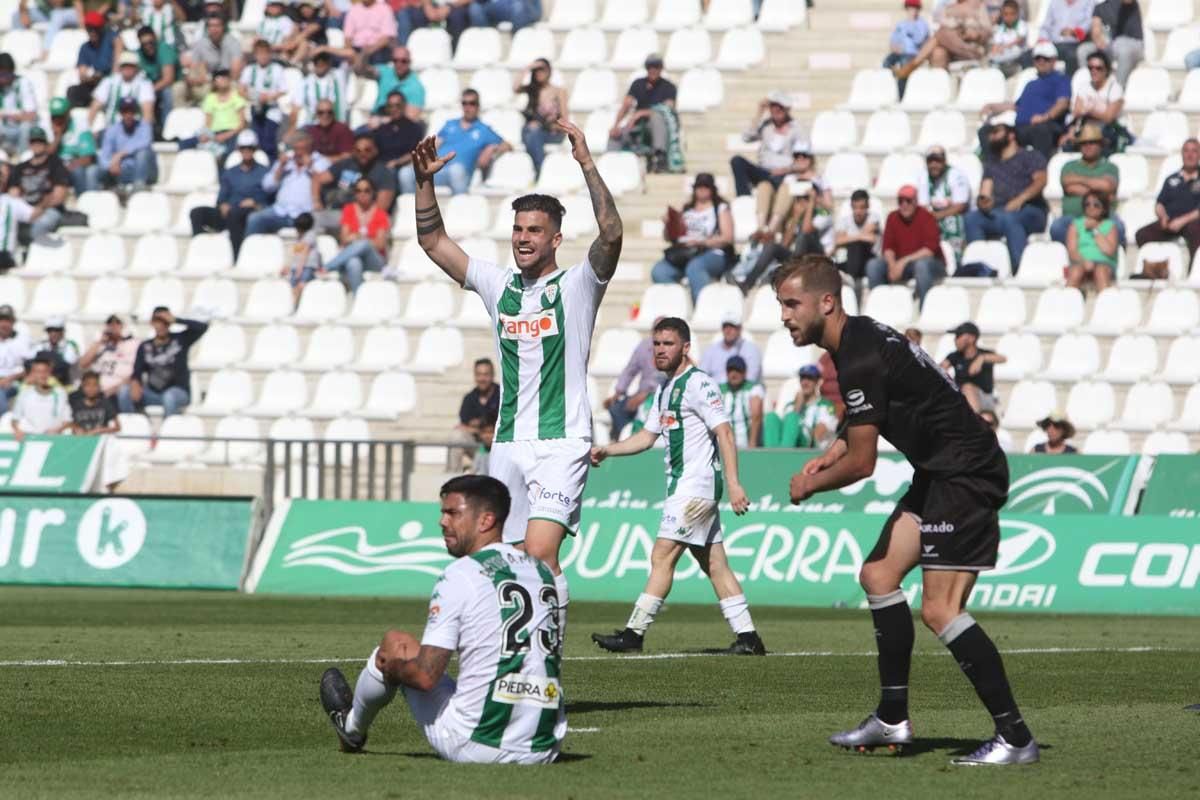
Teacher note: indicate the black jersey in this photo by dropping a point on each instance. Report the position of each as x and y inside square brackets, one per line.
[889, 382]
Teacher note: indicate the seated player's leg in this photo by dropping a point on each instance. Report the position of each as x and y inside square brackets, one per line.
[351, 714]
[730, 596]
[894, 556]
[663, 558]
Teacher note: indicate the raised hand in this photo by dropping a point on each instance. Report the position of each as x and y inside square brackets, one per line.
[579, 148]
[426, 162]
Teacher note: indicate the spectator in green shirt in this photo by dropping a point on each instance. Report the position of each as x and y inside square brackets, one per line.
[807, 421]
[159, 62]
[1090, 173]
[74, 145]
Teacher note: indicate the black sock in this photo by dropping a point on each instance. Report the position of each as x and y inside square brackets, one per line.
[894, 638]
[981, 662]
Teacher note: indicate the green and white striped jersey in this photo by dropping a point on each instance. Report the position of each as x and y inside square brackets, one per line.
[737, 403]
[13, 210]
[314, 88]
[498, 609]
[818, 411]
[544, 335]
[688, 408]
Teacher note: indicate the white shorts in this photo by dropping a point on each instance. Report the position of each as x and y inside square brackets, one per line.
[691, 520]
[545, 479]
[434, 712]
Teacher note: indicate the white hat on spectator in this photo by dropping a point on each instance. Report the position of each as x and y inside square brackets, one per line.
[55, 323]
[778, 98]
[1044, 49]
[802, 147]
[127, 59]
[731, 317]
[800, 188]
[1007, 118]
[247, 138]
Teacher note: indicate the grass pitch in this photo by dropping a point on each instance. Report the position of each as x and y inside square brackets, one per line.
[135, 719]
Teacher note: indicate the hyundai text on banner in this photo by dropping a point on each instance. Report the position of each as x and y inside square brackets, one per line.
[1174, 487]
[58, 464]
[121, 541]
[1059, 563]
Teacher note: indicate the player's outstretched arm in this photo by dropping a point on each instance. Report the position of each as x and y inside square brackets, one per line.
[606, 249]
[729, 465]
[421, 673]
[431, 231]
[640, 441]
[858, 462]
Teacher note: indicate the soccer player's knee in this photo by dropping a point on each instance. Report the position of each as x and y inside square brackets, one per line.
[937, 615]
[875, 578]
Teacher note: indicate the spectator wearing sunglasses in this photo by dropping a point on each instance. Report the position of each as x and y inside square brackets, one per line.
[398, 76]
[473, 142]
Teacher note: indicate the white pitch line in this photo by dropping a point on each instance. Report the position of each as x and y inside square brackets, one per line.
[583, 730]
[634, 657]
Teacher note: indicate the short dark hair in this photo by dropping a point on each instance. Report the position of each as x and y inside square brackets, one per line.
[483, 493]
[674, 324]
[157, 309]
[303, 223]
[1103, 56]
[484, 362]
[469, 92]
[323, 56]
[146, 29]
[397, 93]
[817, 273]
[489, 418]
[358, 137]
[90, 375]
[1012, 3]
[541, 202]
[43, 357]
[1102, 198]
[860, 194]
[6, 63]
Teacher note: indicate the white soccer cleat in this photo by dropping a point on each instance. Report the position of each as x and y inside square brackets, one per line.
[873, 733]
[997, 752]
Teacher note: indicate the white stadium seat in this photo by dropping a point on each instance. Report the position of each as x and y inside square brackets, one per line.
[100, 254]
[741, 48]
[1042, 264]
[633, 44]
[558, 177]
[283, 391]
[944, 308]
[846, 173]
[134, 425]
[344, 429]
[12, 290]
[384, 347]
[1091, 404]
[376, 304]
[979, 87]
[529, 44]
[687, 48]
[430, 47]
[1028, 402]
[329, 347]
[897, 169]
[714, 302]
[207, 254]
[780, 15]
[1115, 311]
[833, 132]
[670, 15]
[927, 89]
[477, 48]
[1181, 365]
[891, 305]
[511, 172]
[781, 357]
[494, 85]
[1107, 443]
[661, 300]
[102, 208]
[700, 89]
[414, 264]
[168, 451]
[763, 316]
[1001, 309]
[1165, 15]
[570, 16]
[582, 47]
[54, 296]
[1058, 310]
[725, 14]
[1148, 88]
[146, 212]
[337, 393]
[107, 295]
[612, 351]
[225, 452]
[1163, 251]
[1024, 354]
[64, 51]
[222, 345]
[321, 301]
[886, 132]
[275, 346]
[992, 253]
[191, 170]
[1135, 174]
[1147, 406]
[1074, 357]
[946, 127]
[429, 303]
[438, 349]
[1189, 93]
[183, 122]
[261, 256]
[1189, 417]
[1166, 442]
[872, 89]
[1162, 132]
[159, 291]
[391, 394]
[473, 313]
[228, 391]
[24, 46]
[1131, 359]
[1174, 312]
[269, 299]
[622, 172]
[48, 258]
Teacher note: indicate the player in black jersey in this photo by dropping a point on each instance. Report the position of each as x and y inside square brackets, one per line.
[947, 522]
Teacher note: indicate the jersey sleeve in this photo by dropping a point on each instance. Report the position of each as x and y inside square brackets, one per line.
[863, 384]
[487, 280]
[447, 605]
[653, 421]
[582, 284]
[706, 401]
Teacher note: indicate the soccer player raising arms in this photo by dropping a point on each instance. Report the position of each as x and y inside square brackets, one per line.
[497, 608]
[689, 415]
[543, 317]
[947, 522]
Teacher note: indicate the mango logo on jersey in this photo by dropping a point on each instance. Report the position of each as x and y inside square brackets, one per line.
[528, 327]
[668, 421]
[532, 690]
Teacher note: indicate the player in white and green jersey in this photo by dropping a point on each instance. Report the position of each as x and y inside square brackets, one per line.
[744, 401]
[690, 417]
[543, 317]
[496, 607]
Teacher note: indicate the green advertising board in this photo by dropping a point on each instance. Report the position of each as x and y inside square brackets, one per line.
[1174, 487]
[56, 464]
[123, 541]
[1062, 563]
[1040, 484]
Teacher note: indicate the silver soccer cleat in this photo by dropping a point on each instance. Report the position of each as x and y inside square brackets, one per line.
[872, 733]
[996, 751]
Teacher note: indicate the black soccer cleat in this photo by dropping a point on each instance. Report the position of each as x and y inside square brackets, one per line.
[747, 644]
[624, 641]
[337, 699]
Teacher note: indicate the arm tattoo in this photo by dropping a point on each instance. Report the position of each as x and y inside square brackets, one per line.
[606, 249]
[429, 220]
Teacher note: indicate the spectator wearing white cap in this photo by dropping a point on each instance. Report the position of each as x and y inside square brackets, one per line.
[777, 135]
[946, 192]
[701, 238]
[1041, 110]
[127, 82]
[41, 406]
[1010, 203]
[63, 352]
[804, 169]
[800, 234]
[240, 195]
[731, 344]
[1065, 25]
[15, 350]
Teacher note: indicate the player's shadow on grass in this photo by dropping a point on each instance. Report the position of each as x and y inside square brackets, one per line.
[956, 747]
[586, 706]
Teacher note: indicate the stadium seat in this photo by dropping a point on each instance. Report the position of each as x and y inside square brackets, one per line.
[529, 44]
[1054, 170]
[781, 357]
[1189, 93]
[1107, 443]
[1160, 251]
[269, 299]
[1166, 443]
[927, 89]
[700, 89]
[283, 391]
[661, 300]
[481, 249]
[944, 308]
[992, 253]
[687, 48]
[172, 451]
[511, 172]
[494, 85]
[1115, 311]
[722, 15]
[12, 290]
[1074, 357]
[391, 394]
[780, 15]
[1162, 132]
[741, 48]
[1135, 174]
[321, 301]
[477, 48]
[1148, 88]
[947, 128]
[897, 169]
[329, 347]
[429, 47]
[1133, 357]
[846, 173]
[25, 47]
[226, 452]
[582, 48]
[1024, 354]
[1091, 404]
[1174, 312]
[192, 170]
[438, 349]
[1181, 365]
[222, 345]
[428, 304]
[715, 301]
[579, 219]
[560, 175]
[622, 172]
[670, 15]
[1028, 402]
[378, 303]
[183, 223]
[102, 209]
[105, 296]
[833, 132]
[384, 347]
[216, 298]
[48, 259]
[633, 43]
[134, 437]
[473, 314]
[1172, 162]
[159, 291]
[146, 212]
[228, 391]
[64, 52]
[568, 17]
[872, 89]
[347, 429]
[979, 87]
[763, 316]
[337, 393]
[54, 296]
[275, 346]
[442, 87]
[1001, 309]
[891, 305]
[886, 132]
[261, 256]
[183, 122]
[1042, 265]
[1147, 406]
[100, 254]
[612, 351]
[1058, 310]
[207, 254]
[414, 264]
[1165, 15]
[1189, 417]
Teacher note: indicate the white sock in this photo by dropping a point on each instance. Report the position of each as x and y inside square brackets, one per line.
[560, 586]
[737, 613]
[371, 694]
[644, 611]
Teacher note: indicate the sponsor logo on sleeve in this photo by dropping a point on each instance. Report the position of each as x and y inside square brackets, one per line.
[532, 690]
[856, 402]
[528, 327]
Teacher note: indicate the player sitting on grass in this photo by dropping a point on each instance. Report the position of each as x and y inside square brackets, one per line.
[689, 415]
[947, 523]
[498, 609]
